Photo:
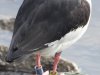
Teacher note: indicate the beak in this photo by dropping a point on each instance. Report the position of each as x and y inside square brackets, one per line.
[9, 57]
[9, 60]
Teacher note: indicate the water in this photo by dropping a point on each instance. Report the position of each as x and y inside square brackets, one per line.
[5, 37]
[9, 8]
[86, 52]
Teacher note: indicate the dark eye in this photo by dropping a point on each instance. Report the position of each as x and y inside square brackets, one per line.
[15, 49]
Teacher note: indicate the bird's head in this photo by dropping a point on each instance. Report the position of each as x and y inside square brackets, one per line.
[15, 50]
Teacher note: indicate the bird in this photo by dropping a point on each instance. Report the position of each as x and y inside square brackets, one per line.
[47, 27]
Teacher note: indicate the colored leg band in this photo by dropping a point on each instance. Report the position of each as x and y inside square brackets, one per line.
[39, 70]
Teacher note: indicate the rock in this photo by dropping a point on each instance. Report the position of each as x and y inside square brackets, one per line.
[7, 24]
[28, 64]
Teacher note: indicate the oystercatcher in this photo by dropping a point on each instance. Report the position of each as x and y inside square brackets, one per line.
[47, 27]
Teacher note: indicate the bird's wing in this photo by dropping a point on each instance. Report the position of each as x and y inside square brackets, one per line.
[52, 20]
[24, 12]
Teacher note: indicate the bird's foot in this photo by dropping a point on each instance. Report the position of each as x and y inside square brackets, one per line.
[53, 73]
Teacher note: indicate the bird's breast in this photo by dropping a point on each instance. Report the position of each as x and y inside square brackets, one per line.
[64, 42]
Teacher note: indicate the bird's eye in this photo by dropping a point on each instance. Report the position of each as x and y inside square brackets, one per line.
[15, 49]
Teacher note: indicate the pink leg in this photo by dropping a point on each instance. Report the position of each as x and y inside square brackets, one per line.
[56, 61]
[38, 67]
[38, 59]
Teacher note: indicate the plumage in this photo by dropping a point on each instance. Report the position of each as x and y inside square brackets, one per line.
[41, 22]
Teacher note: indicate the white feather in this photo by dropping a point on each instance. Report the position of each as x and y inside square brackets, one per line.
[89, 1]
[64, 42]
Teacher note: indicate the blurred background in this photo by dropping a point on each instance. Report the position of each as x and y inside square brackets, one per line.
[85, 53]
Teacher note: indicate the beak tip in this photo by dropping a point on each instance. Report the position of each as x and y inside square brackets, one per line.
[8, 60]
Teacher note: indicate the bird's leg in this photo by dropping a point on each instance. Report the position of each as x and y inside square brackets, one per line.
[56, 61]
[38, 60]
[38, 67]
